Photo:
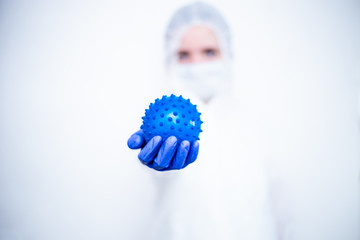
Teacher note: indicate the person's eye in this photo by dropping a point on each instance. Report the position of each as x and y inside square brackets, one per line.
[210, 52]
[183, 55]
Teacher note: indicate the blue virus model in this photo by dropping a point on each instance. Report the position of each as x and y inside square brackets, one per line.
[172, 116]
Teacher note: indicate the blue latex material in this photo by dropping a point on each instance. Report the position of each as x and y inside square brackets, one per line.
[169, 134]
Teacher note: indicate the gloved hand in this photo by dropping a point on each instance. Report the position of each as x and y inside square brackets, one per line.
[164, 154]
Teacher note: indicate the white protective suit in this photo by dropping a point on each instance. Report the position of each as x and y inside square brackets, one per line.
[223, 194]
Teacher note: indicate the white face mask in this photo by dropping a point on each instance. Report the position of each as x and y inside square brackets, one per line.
[205, 80]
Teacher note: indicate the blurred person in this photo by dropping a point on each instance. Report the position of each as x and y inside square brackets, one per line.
[224, 193]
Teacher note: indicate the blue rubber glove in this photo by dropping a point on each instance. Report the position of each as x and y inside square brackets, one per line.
[163, 155]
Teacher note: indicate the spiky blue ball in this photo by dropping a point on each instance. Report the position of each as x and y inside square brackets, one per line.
[172, 116]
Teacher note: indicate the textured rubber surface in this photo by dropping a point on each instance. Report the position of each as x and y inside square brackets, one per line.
[172, 116]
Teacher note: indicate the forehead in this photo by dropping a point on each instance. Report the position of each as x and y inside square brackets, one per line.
[199, 37]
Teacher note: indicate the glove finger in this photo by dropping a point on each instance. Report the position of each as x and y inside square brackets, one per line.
[150, 150]
[165, 153]
[194, 150]
[181, 155]
[136, 140]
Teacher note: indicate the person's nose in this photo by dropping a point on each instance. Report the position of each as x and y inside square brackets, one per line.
[197, 58]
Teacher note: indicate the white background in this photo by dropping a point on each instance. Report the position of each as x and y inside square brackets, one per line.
[76, 76]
